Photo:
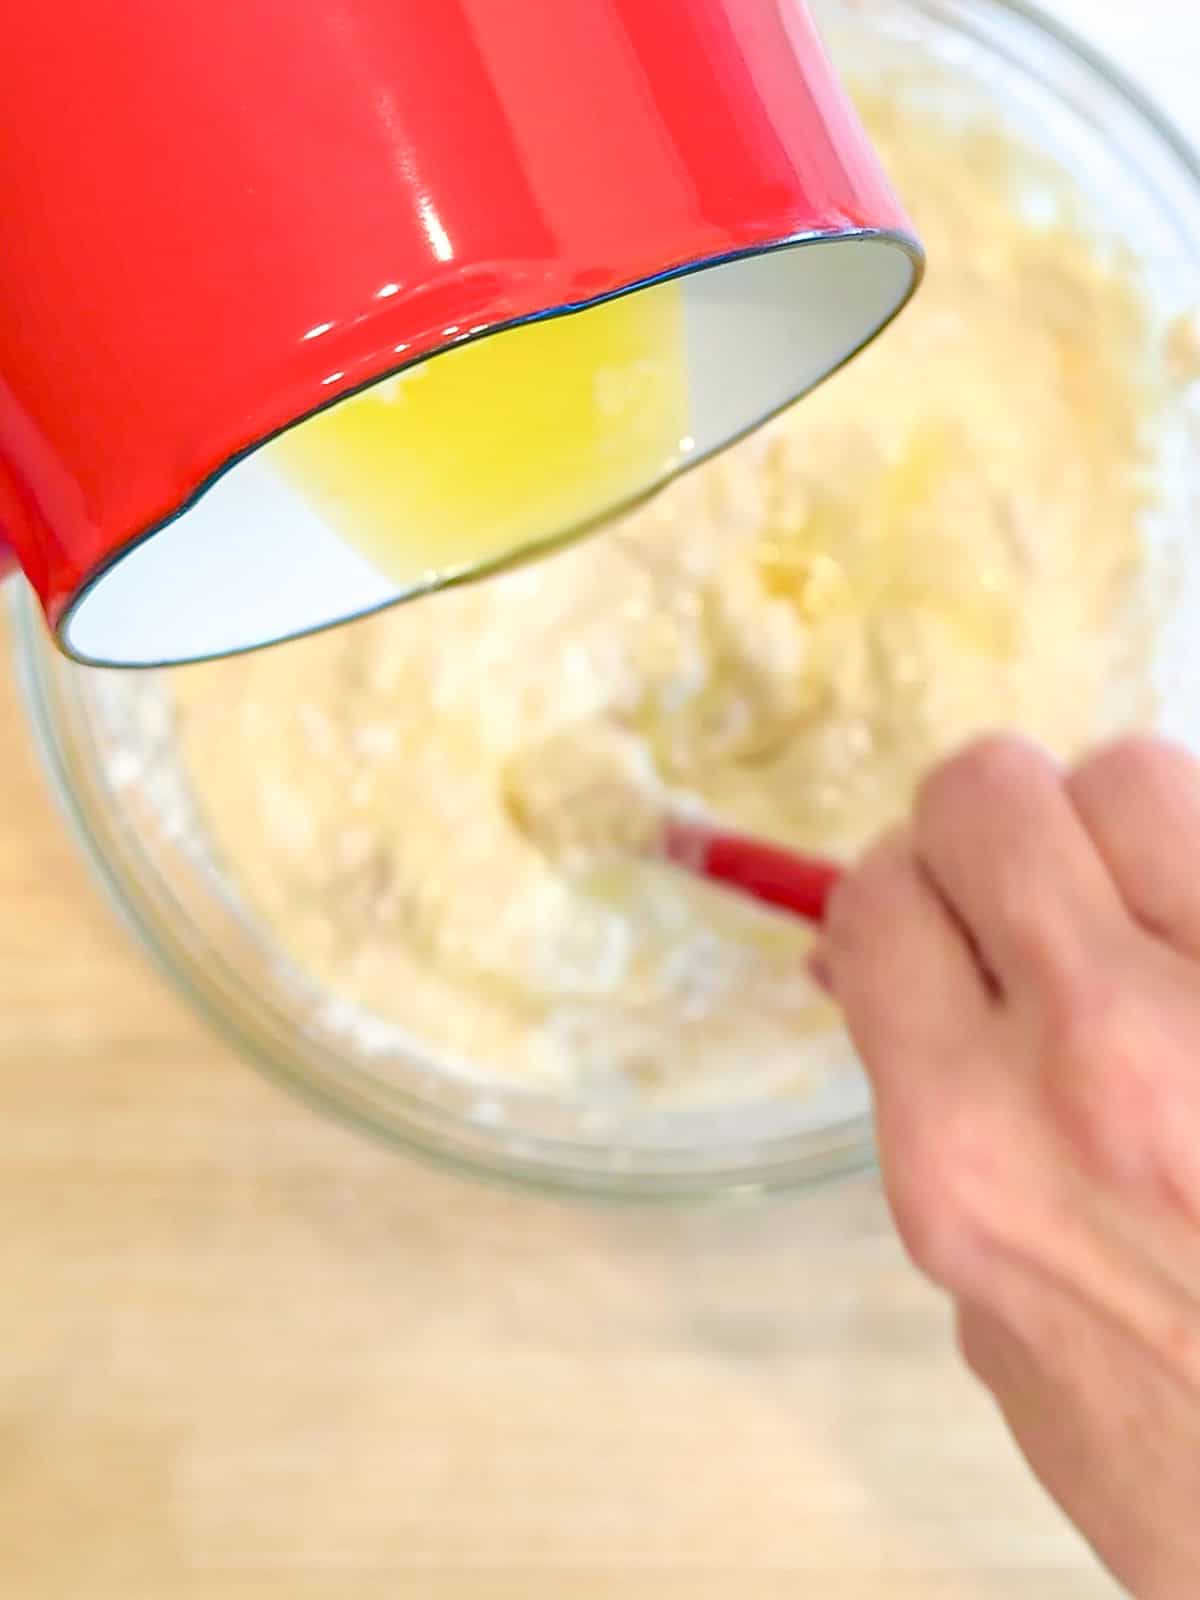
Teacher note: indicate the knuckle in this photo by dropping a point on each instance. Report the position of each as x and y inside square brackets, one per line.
[1085, 1027]
[876, 873]
[1097, 1079]
[1136, 763]
[934, 1239]
[1042, 941]
[859, 897]
[945, 1197]
[986, 771]
[843, 913]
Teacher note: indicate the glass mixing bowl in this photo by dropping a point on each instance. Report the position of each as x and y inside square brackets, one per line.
[107, 738]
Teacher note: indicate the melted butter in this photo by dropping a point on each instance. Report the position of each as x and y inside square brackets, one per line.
[498, 446]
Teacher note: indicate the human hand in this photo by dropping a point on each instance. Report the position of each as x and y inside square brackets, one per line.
[1020, 970]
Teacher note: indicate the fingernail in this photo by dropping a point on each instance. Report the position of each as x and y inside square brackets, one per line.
[821, 972]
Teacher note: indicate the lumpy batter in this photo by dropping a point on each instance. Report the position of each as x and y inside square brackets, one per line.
[944, 538]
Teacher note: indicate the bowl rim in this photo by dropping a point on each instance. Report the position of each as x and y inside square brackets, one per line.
[40, 677]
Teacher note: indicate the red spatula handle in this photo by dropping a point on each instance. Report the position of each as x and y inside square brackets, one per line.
[795, 883]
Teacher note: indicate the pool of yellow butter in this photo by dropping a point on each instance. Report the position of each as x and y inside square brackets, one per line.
[504, 443]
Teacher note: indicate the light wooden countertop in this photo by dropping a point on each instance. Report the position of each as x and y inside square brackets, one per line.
[247, 1355]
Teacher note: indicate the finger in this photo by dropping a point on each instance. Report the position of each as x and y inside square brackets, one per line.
[1140, 801]
[1003, 842]
[900, 967]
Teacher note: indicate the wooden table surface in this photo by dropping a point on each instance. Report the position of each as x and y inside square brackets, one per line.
[247, 1355]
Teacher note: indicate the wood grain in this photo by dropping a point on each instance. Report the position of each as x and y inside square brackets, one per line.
[246, 1355]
